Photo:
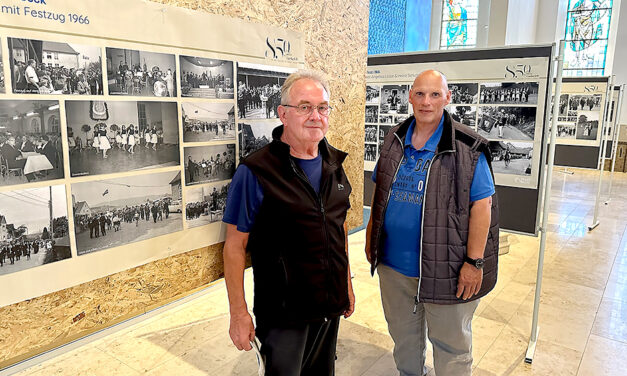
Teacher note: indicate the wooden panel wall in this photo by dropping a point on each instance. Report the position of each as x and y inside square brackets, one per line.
[336, 43]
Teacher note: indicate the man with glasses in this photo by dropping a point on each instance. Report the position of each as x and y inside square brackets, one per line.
[286, 205]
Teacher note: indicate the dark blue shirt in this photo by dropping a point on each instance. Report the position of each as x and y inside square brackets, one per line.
[245, 193]
[403, 217]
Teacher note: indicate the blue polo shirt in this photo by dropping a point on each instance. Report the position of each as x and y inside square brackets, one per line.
[403, 216]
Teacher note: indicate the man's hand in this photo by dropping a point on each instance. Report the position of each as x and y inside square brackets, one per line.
[351, 303]
[469, 281]
[242, 330]
[367, 250]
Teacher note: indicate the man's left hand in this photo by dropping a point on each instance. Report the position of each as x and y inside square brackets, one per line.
[351, 303]
[469, 281]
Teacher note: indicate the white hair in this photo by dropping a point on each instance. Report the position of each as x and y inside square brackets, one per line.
[302, 74]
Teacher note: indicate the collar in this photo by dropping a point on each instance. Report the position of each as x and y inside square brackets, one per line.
[447, 140]
[432, 142]
[329, 154]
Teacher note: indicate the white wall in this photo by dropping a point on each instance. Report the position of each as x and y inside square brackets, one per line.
[619, 66]
[120, 113]
[521, 22]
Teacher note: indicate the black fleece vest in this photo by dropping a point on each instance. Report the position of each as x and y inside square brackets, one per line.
[446, 210]
[297, 242]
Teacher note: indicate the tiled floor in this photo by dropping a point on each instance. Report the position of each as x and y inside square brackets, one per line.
[583, 312]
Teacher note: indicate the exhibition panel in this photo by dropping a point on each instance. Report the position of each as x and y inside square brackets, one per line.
[500, 93]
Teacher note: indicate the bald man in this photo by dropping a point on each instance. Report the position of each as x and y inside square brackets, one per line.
[433, 232]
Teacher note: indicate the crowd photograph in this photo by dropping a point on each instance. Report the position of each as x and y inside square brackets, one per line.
[464, 114]
[566, 130]
[208, 121]
[259, 90]
[587, 125]
[2, 89]
[205, 164]
[115, 212]
[46, 67]
[118, 136]
[513, 158]
[563, 109]
[205, 204]
[33, 228]
[387, 119]
[464, 93]
[253, 136]
[373, 94]
[509, 93]
[30, 141]
[585, 102]
[203, 77]
[512, 123]
[394, 99]
[370, 152]
[372, 114]
[400, 118]
[140, 73]
[371, 133]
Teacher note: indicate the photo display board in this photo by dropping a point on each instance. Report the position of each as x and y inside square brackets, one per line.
[581, 113]
[499, 93]
[610, 120]
[119, 135]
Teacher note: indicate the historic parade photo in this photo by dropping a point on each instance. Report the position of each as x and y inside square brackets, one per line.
[117, 136]
[30, 141]
[47, 67]
[2, 88]
[563, 109]
[259, 90]
[372, 114]
[509, 93]
[579, 102]
[370, 152]
[208, 121]
[205, 204]
[254, 135]
[371, 133]
[140, 73]
[394, 99]
[33, 228]
[464, 93]
[566, 130]
[512, 123]
[587, 125]
[372, 94]
[115, 212]
[204, 164]
[509, 157]
[464, 114]
[203, 77]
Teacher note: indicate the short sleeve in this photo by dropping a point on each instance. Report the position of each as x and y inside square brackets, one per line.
[374, 173]
[482, 185]
[243, 200]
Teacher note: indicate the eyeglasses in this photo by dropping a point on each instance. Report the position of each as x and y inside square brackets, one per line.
[307, 109]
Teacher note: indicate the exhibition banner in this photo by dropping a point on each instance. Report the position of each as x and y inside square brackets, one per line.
[120, 132]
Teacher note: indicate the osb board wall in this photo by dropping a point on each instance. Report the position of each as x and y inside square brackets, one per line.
[336, 34]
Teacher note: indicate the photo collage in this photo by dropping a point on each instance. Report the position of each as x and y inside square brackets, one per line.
[121, 111]
[578, 116]
[503, 112]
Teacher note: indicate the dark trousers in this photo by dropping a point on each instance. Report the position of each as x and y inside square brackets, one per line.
[306, 349]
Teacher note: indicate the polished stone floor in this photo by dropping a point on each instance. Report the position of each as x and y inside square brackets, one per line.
[583, 311]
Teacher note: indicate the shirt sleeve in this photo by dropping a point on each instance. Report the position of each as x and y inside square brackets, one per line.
[243, 200]
[482, 185]
[374, 173]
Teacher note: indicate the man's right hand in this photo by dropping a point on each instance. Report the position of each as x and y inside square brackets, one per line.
[242, 330]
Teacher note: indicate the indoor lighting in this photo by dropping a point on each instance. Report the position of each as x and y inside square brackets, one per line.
[16, 117]
[30, 114]
[53, 107]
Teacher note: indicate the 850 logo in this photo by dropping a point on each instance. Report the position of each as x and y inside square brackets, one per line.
[278, 48]
[591, 88]
[518, 71]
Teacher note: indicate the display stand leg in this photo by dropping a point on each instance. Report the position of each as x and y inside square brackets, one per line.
[535, 330]
[565, 170]
[615, 138]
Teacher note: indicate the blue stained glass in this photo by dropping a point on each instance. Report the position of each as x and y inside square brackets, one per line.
[459, 20]
[386, 32]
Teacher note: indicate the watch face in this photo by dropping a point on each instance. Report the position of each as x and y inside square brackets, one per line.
[479, 263]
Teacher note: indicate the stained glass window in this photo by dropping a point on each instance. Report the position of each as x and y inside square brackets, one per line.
[459, 24]
[586, 37]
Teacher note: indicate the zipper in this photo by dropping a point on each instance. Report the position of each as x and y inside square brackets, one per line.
[284, 303]
[422, 224]
[389, 194]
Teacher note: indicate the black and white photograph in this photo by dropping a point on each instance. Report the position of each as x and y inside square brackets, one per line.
[116, 136]
[386, 119]
[588, 102]
[254, 135]
[203, 77]
[509, 93]
[371, 133]
[400, 118]
[33, 228]
[395, 99]
[47, 67]
[512, 123]
[259, 90]
[513, 158]
[566, 130]
[373, 93]
[464, 114]
[141, 73]
[208, 121]
[372, 113]
[587, 125]
[464, 93]
[2, 88]
[370, 152]
[205, 204]
[30, 141]
[115, 212]
[571, 117]
[563, 105]
[205, 164]
[383, 131]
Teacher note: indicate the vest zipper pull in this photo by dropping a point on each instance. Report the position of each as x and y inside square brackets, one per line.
[415, 303]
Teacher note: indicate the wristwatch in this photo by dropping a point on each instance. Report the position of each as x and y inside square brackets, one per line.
[477, 263]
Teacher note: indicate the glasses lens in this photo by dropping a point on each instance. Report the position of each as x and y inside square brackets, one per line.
[324, 110]
[304, 109]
